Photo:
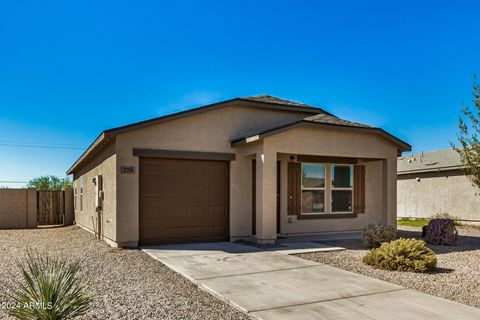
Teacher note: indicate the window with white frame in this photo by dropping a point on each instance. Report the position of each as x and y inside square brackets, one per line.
[313, 188]
[81, 194]
[342, 188]
[75, 199]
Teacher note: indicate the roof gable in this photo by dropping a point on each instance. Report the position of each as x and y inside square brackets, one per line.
[319, 117]
[319, 120]
[259, 101]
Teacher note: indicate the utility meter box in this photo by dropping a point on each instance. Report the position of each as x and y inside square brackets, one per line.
[98, 192]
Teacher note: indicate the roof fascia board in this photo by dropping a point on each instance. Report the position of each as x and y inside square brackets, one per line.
[92, 146]
[222, 104]
[236, 101]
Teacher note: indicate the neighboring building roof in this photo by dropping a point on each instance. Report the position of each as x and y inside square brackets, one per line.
[319, 117]
[440, 160]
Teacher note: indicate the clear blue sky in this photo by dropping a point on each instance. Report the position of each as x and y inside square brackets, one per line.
[70, 69]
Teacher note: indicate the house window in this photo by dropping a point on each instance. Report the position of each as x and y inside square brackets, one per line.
[313, 188]
[342, 188]
[81, 194]
[75, 199]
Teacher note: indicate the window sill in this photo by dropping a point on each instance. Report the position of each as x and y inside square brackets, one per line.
[326, 216]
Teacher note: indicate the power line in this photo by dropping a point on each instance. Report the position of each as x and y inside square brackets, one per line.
[39, 145]
[36, 142]
[13, 181]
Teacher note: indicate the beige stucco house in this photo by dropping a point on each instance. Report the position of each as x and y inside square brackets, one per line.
[431, 183]
[254, 167]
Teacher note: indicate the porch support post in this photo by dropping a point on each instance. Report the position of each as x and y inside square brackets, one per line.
[389, 191]
[392, 192]
[266, 196]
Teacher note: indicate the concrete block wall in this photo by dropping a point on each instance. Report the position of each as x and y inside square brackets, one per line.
[18, 208]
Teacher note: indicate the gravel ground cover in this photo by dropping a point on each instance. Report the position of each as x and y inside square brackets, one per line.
[457, 277]
[126, 284]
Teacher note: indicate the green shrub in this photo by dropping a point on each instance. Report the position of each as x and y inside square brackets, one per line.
[374, 234]
[402, 255]
[50, 290]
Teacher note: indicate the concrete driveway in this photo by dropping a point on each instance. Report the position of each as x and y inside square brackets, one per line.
[274, 285]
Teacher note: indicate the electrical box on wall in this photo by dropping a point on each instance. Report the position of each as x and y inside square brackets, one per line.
[98, 192]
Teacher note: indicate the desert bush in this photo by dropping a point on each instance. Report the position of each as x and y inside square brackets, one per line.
[374, 234]
[442, 215]
[402, 255]
[445, 215]
[441, 232]
[50, 290]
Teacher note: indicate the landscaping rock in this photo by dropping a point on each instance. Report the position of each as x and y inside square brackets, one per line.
[126, 284]
[458, 269]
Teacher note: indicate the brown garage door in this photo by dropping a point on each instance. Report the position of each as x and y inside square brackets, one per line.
[183, 201]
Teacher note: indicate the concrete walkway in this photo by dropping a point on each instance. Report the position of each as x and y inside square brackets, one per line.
[274, 285]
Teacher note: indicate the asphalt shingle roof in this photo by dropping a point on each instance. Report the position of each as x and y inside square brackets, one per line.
[429, 161]
[322, 117]
[270, 99]
[331, 119]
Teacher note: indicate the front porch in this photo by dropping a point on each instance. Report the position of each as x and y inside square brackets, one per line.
[304, 185]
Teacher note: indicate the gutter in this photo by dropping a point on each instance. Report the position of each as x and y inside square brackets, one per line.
[442, 169]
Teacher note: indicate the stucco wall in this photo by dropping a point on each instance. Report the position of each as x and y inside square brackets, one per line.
[18, 208]
[105, 165]
[376, 153]
[448, 191]
[209, 131]
[374, 212]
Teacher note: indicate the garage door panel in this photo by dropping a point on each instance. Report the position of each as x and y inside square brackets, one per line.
[183, 201]
[195, 189]
[196, 232]
[173, 233]
[196, 213]
[216, 232]
[173, 215]
[216, 191]
[217, 211]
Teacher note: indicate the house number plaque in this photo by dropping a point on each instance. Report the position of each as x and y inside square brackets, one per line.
[127, 170]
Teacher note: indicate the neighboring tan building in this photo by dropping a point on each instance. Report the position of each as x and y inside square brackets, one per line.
[433, 182]
[246, 167]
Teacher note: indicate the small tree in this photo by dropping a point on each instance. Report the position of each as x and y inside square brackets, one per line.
[468, 137]
[49, 183]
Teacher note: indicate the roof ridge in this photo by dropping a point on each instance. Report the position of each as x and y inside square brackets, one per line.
[266, 98]
[335, 119]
